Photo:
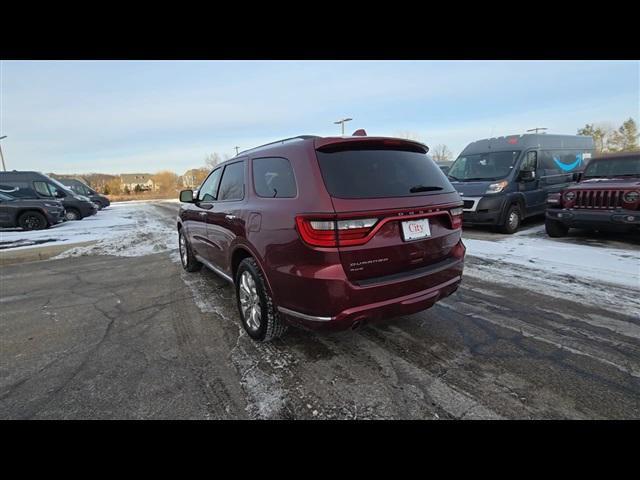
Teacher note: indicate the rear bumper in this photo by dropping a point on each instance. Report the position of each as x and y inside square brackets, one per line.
[603, 219]
[341, 304]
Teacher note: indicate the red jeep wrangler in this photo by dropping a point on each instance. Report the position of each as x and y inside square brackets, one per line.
[606, 197]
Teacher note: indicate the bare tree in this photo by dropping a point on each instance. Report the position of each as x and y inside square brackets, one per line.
[212, 160]
[166, 181]
[441, 154]
[409, 135]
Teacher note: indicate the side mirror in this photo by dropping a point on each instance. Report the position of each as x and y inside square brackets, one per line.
[527, 175]
[186, 196]
[577, 176]
[60, 194]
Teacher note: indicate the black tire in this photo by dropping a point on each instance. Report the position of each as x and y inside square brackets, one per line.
[187, 258]
[72, 214]
[512, 220]
[270, 326]
[32, 221]
[555, 229]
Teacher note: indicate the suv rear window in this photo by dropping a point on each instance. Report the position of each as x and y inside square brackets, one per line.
[381, 173]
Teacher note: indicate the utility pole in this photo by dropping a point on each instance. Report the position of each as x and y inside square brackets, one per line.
[536, 129]
[236, 150]
[342, 122]
[4, 168]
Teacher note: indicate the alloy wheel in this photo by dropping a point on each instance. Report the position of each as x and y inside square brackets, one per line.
[250, 301]
[184, 255]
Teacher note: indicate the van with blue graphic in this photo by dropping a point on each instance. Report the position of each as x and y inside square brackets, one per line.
[504, 180]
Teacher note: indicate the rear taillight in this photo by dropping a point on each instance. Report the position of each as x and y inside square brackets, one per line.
[456, 217]
[354, 231]
[319, 233]
[331, 233]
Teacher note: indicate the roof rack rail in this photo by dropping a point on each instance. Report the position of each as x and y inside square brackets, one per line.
[299, 137]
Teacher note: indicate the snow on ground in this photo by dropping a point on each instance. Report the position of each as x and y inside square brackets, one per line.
[125, 229]
[559, 268]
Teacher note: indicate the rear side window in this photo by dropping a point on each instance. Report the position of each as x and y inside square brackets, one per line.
[232, 183]
[381, 173]
[273, 177]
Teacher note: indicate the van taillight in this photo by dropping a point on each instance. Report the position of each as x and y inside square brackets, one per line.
[456, 217]
[331, 233]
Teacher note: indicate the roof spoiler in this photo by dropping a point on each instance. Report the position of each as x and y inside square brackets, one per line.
[335, 144]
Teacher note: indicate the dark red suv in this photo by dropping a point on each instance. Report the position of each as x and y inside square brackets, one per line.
[606, 197]
[326, 232]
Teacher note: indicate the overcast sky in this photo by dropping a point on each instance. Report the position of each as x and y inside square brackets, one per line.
[133, 116]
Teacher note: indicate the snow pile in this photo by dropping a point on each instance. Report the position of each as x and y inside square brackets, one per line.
[559, 268]
[135, 230]
[132, 229]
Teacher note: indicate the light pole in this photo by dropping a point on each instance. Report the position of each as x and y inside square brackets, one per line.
[536, 129]
[4, 168]
[236, 150]
[342, 122]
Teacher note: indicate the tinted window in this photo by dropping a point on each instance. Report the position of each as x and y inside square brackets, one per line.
[484, 166]
[42, 188]
[530, 162]
[209, 189]
[273, 177]
[232, 183]
[380, 173]
[629, 166]
[18, 191]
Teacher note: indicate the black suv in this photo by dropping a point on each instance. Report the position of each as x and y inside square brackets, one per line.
[29, 214]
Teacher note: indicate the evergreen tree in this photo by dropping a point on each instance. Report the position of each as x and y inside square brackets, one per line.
[625, 138]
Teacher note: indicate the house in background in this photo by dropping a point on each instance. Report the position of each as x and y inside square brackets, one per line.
[131, 180]
[191, 179]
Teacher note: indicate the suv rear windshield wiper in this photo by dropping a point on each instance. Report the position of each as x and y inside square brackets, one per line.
[423, 188]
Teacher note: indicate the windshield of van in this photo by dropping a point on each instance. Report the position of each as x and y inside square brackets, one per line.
[483, 166]
[380, 174]
[618, 167]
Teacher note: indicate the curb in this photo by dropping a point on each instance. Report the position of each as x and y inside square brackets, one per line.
[10, 257]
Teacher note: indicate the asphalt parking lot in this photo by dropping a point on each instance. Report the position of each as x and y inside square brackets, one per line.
[138, 338]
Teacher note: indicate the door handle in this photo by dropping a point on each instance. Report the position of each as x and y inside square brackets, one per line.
[230, 217]
[202, 214]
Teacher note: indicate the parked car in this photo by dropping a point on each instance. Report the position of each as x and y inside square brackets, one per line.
[83, 189]
[29, 214]
[326, 233]
[504, 180]
[37, 185]
[607, 197]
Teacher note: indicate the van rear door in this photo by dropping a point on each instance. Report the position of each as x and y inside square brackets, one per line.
[393, 206]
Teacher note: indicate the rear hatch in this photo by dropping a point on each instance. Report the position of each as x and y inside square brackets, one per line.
[393, 207]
